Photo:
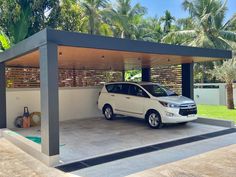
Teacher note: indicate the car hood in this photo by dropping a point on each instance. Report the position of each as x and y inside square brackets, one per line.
[176, 100]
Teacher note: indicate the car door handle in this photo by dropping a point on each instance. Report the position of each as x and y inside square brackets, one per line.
[127, 97]
[112, 95]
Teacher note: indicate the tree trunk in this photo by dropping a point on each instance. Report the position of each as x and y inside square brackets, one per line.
[230, 99]
[122, 34]
[203, 72]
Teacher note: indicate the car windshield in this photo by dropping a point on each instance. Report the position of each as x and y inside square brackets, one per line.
[158, 91]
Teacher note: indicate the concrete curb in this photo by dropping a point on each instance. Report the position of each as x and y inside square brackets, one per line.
[30, 147]
[216, 122]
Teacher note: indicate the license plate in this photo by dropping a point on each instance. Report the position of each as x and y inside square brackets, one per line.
[191, 115]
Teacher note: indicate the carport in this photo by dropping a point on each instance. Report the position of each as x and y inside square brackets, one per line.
[51, 49]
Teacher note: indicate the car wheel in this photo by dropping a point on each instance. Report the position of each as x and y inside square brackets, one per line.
[108, 112]
[154, 119]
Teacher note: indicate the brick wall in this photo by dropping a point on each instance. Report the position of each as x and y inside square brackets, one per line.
[29, 77]
[22, 77]
[169, 76]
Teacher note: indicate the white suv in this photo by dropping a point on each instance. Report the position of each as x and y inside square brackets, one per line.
[149, 101]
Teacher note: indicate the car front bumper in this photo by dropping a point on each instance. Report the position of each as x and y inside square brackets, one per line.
[179, 119]
[171, 115]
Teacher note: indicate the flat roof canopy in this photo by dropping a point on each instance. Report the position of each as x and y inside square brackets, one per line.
[83, 51]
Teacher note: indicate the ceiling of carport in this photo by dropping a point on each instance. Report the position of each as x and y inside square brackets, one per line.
[98, 59]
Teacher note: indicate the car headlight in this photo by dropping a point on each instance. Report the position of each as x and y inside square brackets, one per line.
[169, 105]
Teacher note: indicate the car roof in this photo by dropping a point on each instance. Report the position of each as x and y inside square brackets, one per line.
[136, 83]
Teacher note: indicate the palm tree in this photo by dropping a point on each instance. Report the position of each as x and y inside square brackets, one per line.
[167, 19]
[227, 73]
[209, 30]
[185, 23]
[149, 30]
[124, 18]
[93, 9]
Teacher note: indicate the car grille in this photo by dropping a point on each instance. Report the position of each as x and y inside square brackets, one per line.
[187, 109]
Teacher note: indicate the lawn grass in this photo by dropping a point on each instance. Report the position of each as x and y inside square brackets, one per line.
[220, 112]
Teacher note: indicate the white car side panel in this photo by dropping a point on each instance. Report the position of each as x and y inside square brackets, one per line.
[135, 106]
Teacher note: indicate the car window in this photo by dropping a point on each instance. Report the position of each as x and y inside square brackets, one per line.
[117, 88]
[125, 88]
[155, 90]
[134, 90]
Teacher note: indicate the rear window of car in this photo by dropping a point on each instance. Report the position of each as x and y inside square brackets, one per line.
[118, 88]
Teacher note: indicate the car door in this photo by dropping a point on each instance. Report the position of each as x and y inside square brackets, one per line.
[135, 101]
[117, 96]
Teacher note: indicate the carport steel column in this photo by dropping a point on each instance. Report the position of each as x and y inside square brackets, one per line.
[187, 80]
[3, 116]
[49, 99]
[146, 74]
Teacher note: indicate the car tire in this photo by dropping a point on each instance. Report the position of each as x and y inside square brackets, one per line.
[153, 119]
[108, 112]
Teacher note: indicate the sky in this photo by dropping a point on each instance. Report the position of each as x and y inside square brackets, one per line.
[158, 7]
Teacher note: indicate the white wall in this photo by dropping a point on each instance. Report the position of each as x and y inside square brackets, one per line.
[74, 103]
[212, 96]
[207, 96]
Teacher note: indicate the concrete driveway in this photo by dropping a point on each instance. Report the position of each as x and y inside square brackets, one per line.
[218, 163]
[87, 138]
[16, 163]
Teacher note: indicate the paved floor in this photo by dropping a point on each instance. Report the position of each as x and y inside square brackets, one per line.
[82, 139]
[16, 163]
[218, 163]
[143, 162]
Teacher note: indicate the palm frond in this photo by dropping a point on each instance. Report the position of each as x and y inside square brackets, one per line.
[202, 40]
[229, 23]
[225, 72]
[138, 10]
[228, 35]
[221, 43]
[178, 37]
[189, 6]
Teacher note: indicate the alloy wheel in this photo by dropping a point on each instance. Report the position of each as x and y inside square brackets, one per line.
[154, 120]
[108, 113]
